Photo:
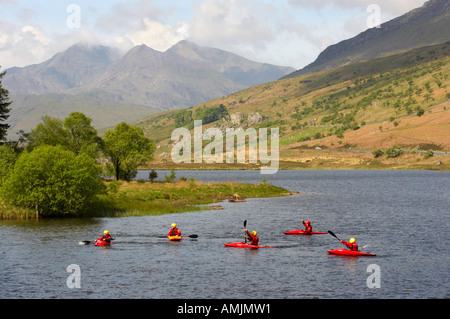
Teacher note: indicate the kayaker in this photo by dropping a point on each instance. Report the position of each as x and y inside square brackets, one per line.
[174, 231]
[352, 245]
[308, 227]
[105, 237]
[252, 237]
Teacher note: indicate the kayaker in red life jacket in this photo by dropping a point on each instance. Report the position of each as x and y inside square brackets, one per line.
[352, 245]
[252, 237]
[105, 237]
[174, 231]
[308, 226]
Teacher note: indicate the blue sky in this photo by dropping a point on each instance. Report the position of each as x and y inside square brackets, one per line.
[282, 32]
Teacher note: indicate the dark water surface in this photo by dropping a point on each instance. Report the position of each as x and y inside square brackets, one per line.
[402, 216]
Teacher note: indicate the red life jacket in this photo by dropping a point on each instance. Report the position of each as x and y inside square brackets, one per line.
[254, 240]
[350, 246]
[308, 227]
[174, 232]
[106, 238]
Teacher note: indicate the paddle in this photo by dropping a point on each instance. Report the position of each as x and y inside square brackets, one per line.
[191, 236]
[332, 234]
[245, 230]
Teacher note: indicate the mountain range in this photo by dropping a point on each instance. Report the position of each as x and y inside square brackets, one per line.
[110, 87]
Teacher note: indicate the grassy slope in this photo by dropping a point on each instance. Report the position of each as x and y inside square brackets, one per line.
[368, 105]
[145, 198]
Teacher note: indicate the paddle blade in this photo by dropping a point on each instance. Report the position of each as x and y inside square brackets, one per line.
[193, 236]
[84, 242]
[245, 227]
[332, 234]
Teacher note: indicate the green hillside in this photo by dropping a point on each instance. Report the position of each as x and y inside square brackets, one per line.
[360, 107]
[28, 110]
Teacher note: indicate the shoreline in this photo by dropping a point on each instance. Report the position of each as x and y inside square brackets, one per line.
[142, 198]
[316, 161]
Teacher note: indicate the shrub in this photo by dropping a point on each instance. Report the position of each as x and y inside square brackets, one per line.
[211, 114]
[53, 181]
[420, 111]
[394, 151]
[377, 153]
[428, 154]
[170, 178]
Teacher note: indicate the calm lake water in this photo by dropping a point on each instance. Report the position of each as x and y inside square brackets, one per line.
[402, 216]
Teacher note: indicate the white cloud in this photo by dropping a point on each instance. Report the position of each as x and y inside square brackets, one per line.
[21, 46]
[392, 7]
[141, 23]
[232, 23]
[156, 35]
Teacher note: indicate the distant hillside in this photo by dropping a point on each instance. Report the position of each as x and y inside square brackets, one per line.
[420, 27]
[400, 100]
[28, 110]
[240, 70]
[97, 79]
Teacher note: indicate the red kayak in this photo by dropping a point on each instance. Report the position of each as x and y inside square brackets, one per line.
[346, 252]
[102, 243]
[302, 232]
[244, 245]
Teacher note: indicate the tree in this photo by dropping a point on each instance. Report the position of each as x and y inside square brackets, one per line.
[8, 157]
[127, 148]
[152, 175]
[170, 178]
[82, 136]
[4, 109]
[75, 133]
[53, 181]
[50, 132]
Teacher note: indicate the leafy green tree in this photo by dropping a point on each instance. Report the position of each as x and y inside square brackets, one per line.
[82, 136]
[152, 175]
[126, 148]
[183, 118]
[53, 181]
[75, 133]
[8, 157]
[4, 108]
[50, 132]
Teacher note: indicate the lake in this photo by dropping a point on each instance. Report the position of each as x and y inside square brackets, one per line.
[401, 216]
